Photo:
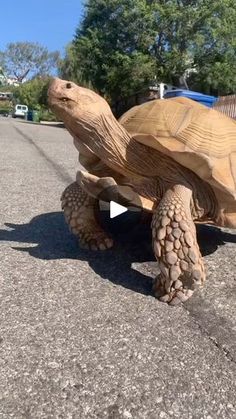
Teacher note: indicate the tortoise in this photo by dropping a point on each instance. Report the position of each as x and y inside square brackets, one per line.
[174, 158]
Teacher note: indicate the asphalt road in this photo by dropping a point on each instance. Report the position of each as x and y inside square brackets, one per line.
[81, 336]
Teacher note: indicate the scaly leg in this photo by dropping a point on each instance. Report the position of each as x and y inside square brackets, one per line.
[176, 248]
[79, 210]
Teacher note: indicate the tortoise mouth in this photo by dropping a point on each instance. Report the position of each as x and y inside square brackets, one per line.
[60, 105]
[63, 99]
[55, 98]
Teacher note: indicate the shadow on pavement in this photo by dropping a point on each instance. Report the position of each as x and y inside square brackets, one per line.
[54, 241]
[132, 245]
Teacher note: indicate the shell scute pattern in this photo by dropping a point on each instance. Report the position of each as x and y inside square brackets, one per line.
[198, 138]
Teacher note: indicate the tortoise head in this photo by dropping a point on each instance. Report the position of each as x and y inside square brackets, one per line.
[89, 119]
[76, 105]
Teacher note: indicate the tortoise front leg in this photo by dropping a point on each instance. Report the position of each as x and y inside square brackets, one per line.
[176, 248]
[79, 210]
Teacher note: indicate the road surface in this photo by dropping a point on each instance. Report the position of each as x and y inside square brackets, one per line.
[81, 336]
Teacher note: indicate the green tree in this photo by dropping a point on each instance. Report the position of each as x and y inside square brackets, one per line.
[68, 67]
[27, 59]
[199, 35]
[121, 45]
[111, 47]
[3, 79]
[33, 93]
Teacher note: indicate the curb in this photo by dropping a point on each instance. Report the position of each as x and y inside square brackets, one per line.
[45, 123]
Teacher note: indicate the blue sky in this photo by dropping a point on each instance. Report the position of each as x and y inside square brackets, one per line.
[51, 23]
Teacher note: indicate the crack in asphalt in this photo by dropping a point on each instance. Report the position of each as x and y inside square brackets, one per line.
[63, 174]
[213, 326]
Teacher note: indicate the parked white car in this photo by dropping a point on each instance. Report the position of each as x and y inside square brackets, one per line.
[20, 111]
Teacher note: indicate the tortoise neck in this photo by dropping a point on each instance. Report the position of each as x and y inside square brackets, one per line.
[114, 143]
[108, 140]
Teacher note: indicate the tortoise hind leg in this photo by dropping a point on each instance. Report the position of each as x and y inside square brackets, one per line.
[79, 210]
[176, 248]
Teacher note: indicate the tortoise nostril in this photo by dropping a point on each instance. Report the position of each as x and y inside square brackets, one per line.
[68, 85]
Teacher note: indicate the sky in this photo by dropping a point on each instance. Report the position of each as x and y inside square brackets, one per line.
[51, 23]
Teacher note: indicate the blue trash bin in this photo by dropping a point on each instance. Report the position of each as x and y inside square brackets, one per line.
[198, 97]
[33, 115]
[30, 115]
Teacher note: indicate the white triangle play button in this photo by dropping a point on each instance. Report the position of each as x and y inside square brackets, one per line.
[116, 209]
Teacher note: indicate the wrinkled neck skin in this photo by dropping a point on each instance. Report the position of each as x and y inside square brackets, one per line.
[108, 140]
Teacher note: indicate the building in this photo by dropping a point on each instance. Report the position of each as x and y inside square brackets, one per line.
[6, 95]
[7, 80]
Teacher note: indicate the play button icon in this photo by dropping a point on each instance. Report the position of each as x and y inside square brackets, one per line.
[116, 209]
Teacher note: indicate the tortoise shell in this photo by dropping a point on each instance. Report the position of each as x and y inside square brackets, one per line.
[197, 137]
